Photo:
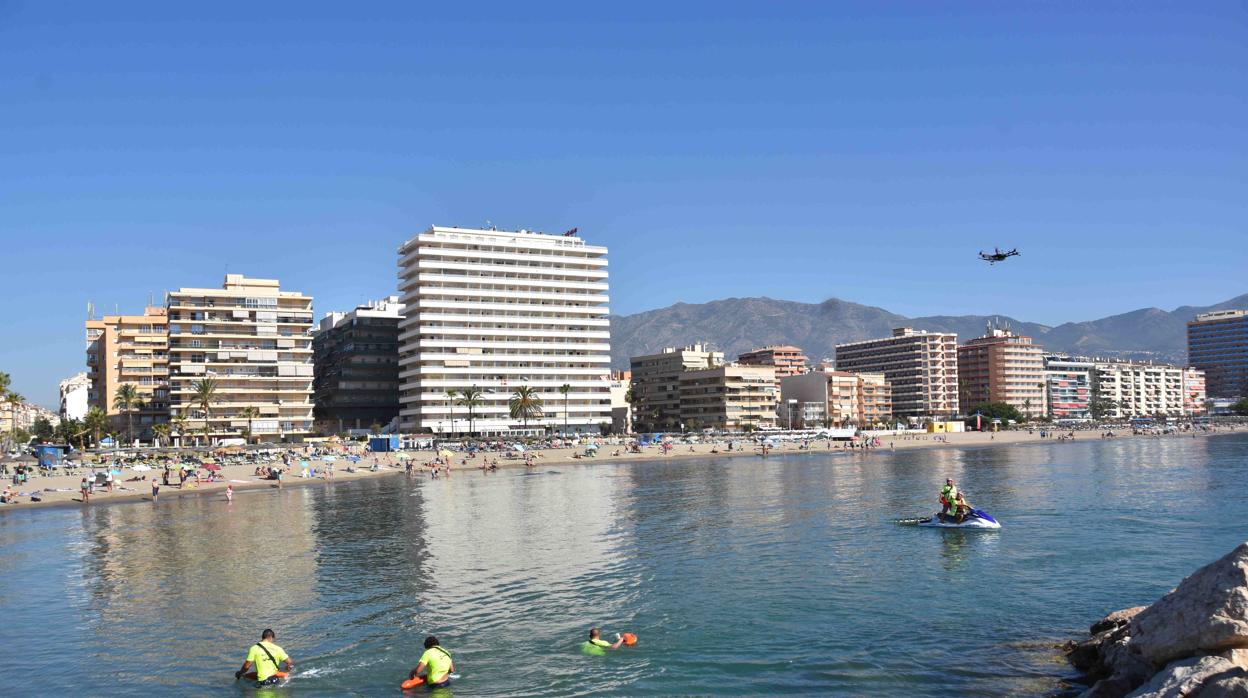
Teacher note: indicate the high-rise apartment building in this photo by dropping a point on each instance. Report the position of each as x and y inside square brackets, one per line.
[921, 368]
[486, 312]
[356, 354]
[787, 360]
[732, 397]
[255, 341]
[1002, 367]
[656, 383]
[849, 399]
[1068, 382]
[130, 349]
[1128, 389]
[1217, 343]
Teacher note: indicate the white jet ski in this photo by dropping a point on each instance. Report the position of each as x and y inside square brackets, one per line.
[975, 519]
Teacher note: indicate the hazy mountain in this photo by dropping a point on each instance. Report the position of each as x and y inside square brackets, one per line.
[735, 325]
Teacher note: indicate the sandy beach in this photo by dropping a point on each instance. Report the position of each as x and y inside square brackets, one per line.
[63, 490]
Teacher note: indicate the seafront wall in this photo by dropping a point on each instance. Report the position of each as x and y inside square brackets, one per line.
[1191, 642]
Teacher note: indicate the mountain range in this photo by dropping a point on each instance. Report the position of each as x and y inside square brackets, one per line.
[736, 325]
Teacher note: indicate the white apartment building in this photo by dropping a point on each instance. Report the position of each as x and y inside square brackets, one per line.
[1130, 389]
[921, 367]
[255, 340]
[488, 311]
[74, 392]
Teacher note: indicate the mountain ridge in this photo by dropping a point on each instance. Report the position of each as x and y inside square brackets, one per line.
[737, 324]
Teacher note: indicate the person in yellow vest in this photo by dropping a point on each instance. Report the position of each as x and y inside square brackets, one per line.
[266, 657]
[948, 497]
[436, 663]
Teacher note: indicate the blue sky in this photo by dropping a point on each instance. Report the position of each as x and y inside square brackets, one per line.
[801, 151]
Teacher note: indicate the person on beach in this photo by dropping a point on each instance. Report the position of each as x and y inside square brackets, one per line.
[85, 488]
[595, 645]
[155, 489]
[948, 496]
[229, 493]
[436, 665]
[265, 656]
[108, 479]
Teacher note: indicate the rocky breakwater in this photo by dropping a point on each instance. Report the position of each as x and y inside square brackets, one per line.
[1191, 642]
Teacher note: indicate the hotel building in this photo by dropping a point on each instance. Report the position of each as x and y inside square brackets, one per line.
[732, 397]
[131, 349]
[356, 358]
[1130, 389]
[1002, 367]
[656, 383]
[489, 311]
[848, 399]
[921, 368]
[1068, 383]
[254, 340]
[1217, 343]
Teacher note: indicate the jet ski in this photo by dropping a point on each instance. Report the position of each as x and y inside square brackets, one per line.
[975, 519]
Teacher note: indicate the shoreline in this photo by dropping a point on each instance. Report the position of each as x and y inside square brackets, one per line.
[243, 480]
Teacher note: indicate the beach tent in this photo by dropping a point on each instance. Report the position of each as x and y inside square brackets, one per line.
[517, 448]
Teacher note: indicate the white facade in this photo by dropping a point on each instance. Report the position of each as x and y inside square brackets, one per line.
[491, 311]
[1144, 390]
[74, 392]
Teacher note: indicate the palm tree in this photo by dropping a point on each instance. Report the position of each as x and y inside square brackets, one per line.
[96, 422]
[564, 390]
[179, 425]
[204, 394]
[525, 404]
[249, 413]
[472, 398]
[127, 399]
[160, 432]
[451, 395]
[14, 400]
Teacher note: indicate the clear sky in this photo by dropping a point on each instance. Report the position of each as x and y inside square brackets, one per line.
[863, 151]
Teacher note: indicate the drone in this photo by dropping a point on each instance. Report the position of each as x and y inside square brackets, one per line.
[997, 255]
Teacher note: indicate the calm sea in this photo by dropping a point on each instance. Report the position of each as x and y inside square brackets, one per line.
[782, 575]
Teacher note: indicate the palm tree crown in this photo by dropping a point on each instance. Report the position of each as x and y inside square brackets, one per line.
[525, 404]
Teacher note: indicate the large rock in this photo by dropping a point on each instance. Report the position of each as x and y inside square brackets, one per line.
[1226, 687]
[1117, 619]
[1185, 677]
[1207, 612]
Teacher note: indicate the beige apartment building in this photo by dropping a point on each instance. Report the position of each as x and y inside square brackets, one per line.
[255, 340]
[1002, 367]
[1129, 389]
[732, 397]
[788, 361]
[130, 349]
[656, 383]
[847, 399]
[920, 367]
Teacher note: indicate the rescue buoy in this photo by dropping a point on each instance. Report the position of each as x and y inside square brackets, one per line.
[412, 683]
[254, 677]
[629, 638]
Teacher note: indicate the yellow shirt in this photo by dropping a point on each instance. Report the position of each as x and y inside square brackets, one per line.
[265, 666]
[437, 664]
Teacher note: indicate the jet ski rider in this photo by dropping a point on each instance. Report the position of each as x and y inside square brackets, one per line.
[948, 497]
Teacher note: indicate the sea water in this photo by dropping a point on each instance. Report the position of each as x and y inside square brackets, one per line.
[742, 576]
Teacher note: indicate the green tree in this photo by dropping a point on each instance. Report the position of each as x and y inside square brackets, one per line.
[472, 398]
[451, 396]
[127, 399]
[564, 390]
[999, 410]
[42, 429]
[160, 433]
[179, 425]
[525, 404]
[5, 382]
[204, 393]
[21, 437]
[1100, 408]
[14, 400]
[95, 424]
[249, 413]
[1241, 407]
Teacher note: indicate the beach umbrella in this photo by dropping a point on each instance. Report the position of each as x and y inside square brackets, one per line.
[518, 448]
[400, 456]
[211, 466]
[445, 453]
[591, 447]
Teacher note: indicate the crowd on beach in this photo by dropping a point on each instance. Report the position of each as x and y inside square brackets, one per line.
[126, 473]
